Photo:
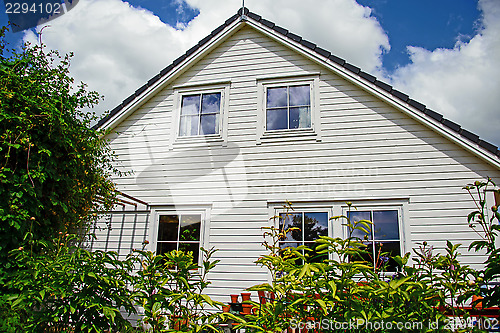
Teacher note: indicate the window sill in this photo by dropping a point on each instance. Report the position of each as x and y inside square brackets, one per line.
[289, 135]
[199, 141]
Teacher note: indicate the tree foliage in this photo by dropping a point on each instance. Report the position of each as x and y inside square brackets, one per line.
[54, 167]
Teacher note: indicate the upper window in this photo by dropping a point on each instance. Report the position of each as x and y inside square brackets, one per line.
[200, 114]
[383, 239]
[308, 226]
[179, 232]
[288, 107]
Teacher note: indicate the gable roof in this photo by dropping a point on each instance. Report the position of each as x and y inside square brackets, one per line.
[412, 107]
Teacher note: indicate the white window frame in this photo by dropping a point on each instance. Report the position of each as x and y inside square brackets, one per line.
[379, 207]
[276, 210]
[204, 228]
[200, 88]
[314, 131]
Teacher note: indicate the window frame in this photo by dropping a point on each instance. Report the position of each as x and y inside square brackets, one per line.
[204, 227]
[181, 91]
[374, 207]
[302, 208]
[313, 132]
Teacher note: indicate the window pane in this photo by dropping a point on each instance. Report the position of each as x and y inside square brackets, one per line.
[190, 228]
[300, 117]
[300, 95]
[188, 126]
[162, 248]
[167, 227]
[190, 104]
[209, 124]
[315, 225]
[194, 248]
[210, 103]
[276, 119]
[291, 220]
[386, 224]
[277, 97]
[388, 250]
[356, 216]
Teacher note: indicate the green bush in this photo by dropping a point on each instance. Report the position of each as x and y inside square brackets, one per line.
[348, 294]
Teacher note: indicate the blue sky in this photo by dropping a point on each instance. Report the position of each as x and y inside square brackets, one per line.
[441, 52]
[406, 22]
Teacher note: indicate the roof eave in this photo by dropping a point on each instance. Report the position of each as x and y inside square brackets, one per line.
[171, 72]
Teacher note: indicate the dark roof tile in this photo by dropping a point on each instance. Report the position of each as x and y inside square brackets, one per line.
[254, 16]
[295, 37]
[367, 76]
[469, 135]
[488, 146]
[337, 60]
[416, 105]
[400, 95]
[383, 85]
[244, 10]
[166, 69]
[192, 50]
[450, 124]
[269, 24]
[352, 68]
[433, 114]
[308, 44]
[323, 52]
[141, 90]
[217, 30]
[281, 30]
[231, 19]
[205, 40]
[128, 99]
[179, 60]
[154, 79]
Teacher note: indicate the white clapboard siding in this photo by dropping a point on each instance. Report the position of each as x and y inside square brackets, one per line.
[368, 152]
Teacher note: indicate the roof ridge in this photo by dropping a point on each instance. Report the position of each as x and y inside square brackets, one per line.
[244, 13]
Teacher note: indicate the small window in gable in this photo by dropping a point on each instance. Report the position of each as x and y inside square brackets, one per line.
[179, 232]
[200, 114]
[288, 107]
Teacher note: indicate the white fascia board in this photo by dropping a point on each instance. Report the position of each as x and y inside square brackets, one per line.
[380, 93]
[173, 74]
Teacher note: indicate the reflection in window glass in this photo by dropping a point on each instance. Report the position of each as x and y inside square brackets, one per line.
[288, 107]
[179, 232]
[383, 238]
[308, 226]
[200, 114]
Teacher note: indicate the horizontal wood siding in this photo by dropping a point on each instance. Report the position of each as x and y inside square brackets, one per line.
[368, 151]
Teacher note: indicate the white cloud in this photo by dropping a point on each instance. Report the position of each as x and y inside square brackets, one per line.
[462, 83]
[118, 47]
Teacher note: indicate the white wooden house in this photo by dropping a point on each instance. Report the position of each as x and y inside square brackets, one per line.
[254, 115]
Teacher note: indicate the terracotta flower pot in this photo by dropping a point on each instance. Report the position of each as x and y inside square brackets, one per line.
[247, 309]
[245, 296]
[262, 296]
[225, 308]
[234, 298]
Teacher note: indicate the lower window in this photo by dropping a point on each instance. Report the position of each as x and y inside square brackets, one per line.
[309, 227]
[383, 239]
[179, 232]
